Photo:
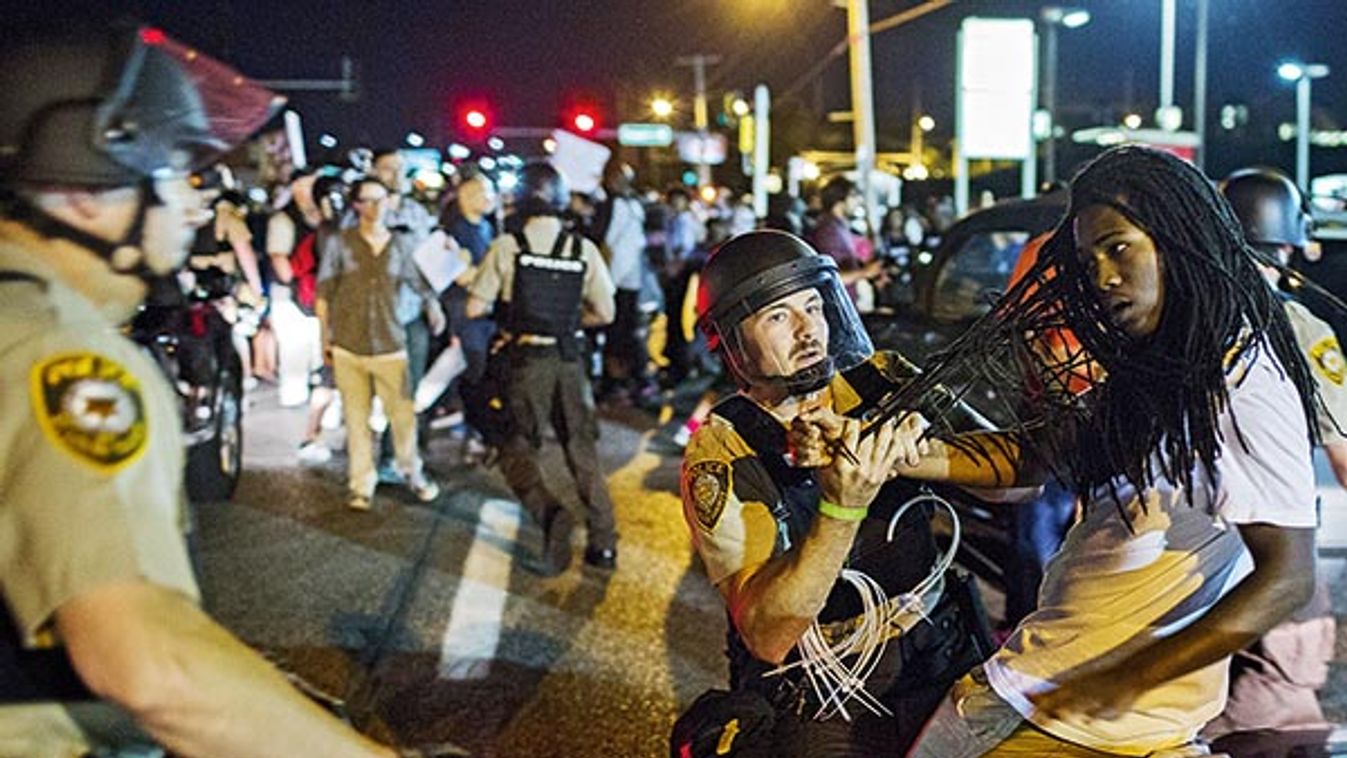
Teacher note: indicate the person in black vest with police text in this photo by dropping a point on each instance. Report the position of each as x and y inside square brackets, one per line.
[547, 283]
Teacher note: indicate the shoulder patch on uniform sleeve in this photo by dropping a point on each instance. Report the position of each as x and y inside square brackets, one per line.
[1328, 359]
[90, 407]
[710, 485]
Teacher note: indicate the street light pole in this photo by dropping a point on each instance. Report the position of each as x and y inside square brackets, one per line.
[1051, 18]
[1048, 92]
[862, 101]
[1200, 86]
[1303, 133]
[1302, 75]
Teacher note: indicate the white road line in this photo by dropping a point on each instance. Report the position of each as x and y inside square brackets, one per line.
[473, 632]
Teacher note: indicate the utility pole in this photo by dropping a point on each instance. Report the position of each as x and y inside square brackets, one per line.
[917, 144]
[862, 101]
[699, 62]
[762, 140]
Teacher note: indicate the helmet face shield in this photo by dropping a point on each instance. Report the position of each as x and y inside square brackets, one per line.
[805, 331]
[114, 111]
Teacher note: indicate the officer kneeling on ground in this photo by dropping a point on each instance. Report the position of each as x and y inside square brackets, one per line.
[96, 136]
[776, 537]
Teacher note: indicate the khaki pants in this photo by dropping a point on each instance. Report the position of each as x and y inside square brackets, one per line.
[359, 378]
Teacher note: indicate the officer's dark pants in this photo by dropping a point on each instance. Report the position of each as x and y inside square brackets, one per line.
[546, 389]
[625, 350]
[676, 348]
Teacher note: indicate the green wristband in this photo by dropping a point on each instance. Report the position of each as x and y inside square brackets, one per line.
[840, 512]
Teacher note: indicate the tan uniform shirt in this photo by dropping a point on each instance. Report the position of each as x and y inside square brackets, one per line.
[1321, 350]
[91, 461]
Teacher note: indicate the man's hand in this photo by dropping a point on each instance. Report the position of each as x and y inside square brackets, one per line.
[1106, 694]
[854, 482]
[435, 317]
[816, 437]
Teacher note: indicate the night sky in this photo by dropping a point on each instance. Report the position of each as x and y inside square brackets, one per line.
[530, 58]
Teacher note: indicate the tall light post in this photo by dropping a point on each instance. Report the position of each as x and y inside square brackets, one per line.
[862, 101]
[1052, 17]
[1302, 74]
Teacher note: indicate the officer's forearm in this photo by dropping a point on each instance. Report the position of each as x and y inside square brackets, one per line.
[774, 605]
[191, 684]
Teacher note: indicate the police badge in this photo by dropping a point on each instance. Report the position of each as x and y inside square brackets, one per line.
[709, 483]
[89, 406]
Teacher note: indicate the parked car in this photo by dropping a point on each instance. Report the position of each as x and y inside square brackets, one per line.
[185, 332]
[949, 287]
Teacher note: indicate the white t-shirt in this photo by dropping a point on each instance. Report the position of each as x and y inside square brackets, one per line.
[1111, 589]
[626, 242]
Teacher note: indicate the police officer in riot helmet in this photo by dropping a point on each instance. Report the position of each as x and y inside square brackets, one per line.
[1271, 210]
[776, 520]
[546, 283]
[100, 603]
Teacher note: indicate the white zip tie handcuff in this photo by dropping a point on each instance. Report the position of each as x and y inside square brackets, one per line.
[834, 681]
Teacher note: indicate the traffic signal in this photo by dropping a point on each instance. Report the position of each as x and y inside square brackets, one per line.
[584, 121]
[474, 121]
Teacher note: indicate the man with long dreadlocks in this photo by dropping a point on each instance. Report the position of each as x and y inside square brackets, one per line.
[1191, 452]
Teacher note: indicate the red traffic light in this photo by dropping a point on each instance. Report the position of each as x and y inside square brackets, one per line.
[584, 122]
[474, 120]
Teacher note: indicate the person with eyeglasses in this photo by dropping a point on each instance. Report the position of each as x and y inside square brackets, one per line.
[361, 272]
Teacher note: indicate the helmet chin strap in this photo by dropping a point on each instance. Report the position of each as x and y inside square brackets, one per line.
[807, 380]
[134, 239]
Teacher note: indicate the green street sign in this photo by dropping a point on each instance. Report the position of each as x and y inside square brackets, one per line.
[645, 135]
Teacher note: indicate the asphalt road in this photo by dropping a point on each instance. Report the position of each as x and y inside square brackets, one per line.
[428, 621]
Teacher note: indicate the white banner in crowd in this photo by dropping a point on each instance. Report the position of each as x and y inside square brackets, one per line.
[440, 260]
[448, 365]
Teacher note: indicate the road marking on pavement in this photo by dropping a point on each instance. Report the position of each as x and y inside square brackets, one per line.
[473, 632]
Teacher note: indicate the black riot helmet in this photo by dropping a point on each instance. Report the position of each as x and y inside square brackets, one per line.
[542, 190]
[1269, 206]
[117, 107]
[124, 106]
[771, 271]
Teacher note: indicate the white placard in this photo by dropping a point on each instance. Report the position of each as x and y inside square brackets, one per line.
[450, 363]
[439, 259]
[580, 161]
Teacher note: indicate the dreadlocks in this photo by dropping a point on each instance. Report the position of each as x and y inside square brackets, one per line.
[1163, 393]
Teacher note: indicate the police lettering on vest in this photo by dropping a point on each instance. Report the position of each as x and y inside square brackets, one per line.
[548, 292]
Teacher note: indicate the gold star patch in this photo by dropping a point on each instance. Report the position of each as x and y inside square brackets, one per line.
[1328, 359]
[709, 483]
[90, 407]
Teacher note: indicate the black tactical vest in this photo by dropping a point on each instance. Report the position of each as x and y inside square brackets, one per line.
[897, 565]
[548, 291]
